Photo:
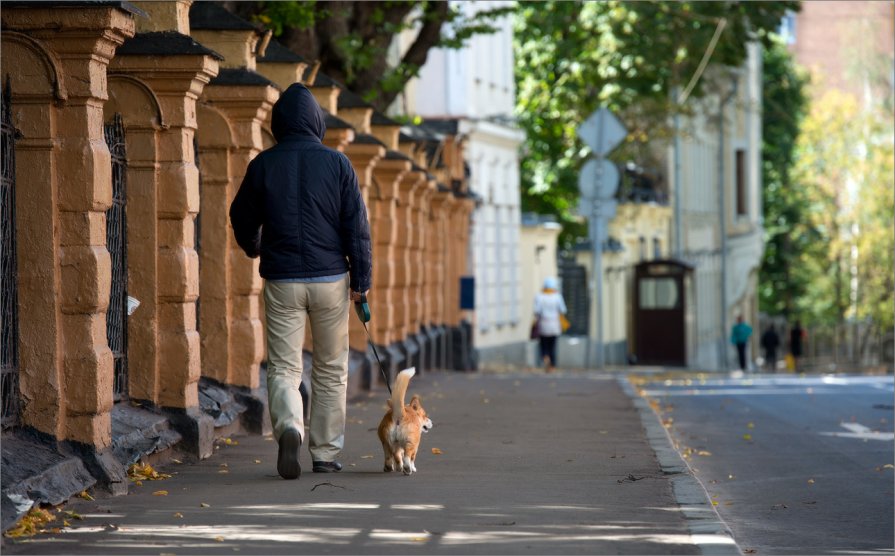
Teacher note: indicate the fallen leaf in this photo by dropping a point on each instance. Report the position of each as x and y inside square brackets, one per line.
[420, 539]
[750, 425]
[486, 400]
[86, 496]
[138, 483]
[223, 471]
[366, 457]
[731, 476]
[703, 453]
[714, 502]
[178, 515]
[219, 539]
[889, 466]
[224, 465]
[436, 451]
[257, 461]
[160, 493]
[66, 523]
[73, 514]
[204, 505]
[728, 503]
[747, 436]
[228, 441]
[810, 481]
[176, 460]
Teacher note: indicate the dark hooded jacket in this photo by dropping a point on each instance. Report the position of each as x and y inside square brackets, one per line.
[299, 206]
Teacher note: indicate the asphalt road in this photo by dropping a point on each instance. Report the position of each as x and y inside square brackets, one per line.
[795, 465]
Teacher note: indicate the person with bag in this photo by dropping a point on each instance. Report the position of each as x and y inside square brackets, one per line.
[550, 321]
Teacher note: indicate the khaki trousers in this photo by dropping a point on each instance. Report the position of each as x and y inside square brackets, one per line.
[288, 305]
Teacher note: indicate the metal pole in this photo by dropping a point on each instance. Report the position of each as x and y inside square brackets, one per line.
[722, 210]
[676, 119]
[597, 222]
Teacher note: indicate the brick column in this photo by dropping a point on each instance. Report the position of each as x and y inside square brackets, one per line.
[404, 246]
[177, 83]
[246, 107]
[441, 203]
[71, 397]
[383, 206]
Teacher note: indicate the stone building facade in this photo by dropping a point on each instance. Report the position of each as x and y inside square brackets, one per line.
[127, 131]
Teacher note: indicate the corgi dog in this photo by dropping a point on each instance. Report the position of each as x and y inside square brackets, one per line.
[402, 426]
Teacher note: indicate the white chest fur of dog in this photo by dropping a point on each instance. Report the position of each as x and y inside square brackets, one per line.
[402, 426]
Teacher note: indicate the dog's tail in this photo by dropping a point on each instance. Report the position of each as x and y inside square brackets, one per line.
[402, 381]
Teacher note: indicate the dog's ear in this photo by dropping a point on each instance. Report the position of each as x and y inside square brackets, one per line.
[415, 403]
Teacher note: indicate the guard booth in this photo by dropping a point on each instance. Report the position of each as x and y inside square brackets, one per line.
[663, 313]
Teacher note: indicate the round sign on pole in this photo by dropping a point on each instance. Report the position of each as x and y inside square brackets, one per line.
[598, 179]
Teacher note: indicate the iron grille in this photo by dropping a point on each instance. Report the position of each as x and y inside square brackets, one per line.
[197, 223]
[116, 243]
[9, 375]
[576, 295]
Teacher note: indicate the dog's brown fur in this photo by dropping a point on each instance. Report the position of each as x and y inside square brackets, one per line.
[402, 426]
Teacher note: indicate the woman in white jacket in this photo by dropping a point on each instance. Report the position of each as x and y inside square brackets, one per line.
[549, 305]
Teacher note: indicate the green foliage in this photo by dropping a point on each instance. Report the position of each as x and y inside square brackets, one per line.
[573, 57]
[844, 162]
[352, 39]
[788, 231]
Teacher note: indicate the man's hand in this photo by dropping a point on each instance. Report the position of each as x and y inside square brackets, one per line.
[356, 296]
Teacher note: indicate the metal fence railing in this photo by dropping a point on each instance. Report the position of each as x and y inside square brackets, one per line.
[116, 243]
[9, 314]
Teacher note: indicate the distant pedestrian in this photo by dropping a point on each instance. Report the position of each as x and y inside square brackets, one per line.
[550, 310]
[300, 209]
[739, 336]
[796, 335]
[770, 341]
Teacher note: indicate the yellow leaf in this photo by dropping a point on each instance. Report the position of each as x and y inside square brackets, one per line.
[66, 523]
[747, 436]
[227, 441]
[160, 493]
[86, 496]
[73, 514]
[138, 483]
[810, 481]
[204, 505]
[219, 539]
[436, 451]
[178, 515]
[714, 502]
[750, 425]
[420, 539]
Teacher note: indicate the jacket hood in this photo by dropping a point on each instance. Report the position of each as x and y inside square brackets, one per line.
[297, 113]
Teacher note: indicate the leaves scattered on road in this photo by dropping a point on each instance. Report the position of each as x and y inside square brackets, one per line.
[138, 472]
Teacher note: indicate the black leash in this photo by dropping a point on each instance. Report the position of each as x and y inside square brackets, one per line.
[363, 313]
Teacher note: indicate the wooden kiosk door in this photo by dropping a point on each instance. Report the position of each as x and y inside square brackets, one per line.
[660, 325]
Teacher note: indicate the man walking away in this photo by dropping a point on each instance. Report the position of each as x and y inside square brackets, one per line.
[739, 336]
[300, 209]
[770, 341]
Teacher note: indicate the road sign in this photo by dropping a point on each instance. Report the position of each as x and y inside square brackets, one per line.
[598, 179]
[602, 131]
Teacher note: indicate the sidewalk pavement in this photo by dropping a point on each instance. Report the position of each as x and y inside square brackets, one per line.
[526, 464]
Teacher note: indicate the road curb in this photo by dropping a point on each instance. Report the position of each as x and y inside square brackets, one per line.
[707, 529]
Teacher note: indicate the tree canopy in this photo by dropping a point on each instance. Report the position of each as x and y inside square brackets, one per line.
[573, 57]
[351, 40]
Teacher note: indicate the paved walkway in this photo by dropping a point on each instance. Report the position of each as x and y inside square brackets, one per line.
[528, 464]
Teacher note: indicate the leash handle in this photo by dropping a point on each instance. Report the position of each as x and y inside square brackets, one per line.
[362, 308]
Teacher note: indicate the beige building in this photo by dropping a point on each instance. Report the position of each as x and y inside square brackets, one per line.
[127, 128]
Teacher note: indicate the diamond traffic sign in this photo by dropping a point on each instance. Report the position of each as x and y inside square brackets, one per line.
[602, 131]
[598, 179]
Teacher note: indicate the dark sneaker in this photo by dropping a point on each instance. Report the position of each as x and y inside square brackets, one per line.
[327, 467]
[287, 458]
